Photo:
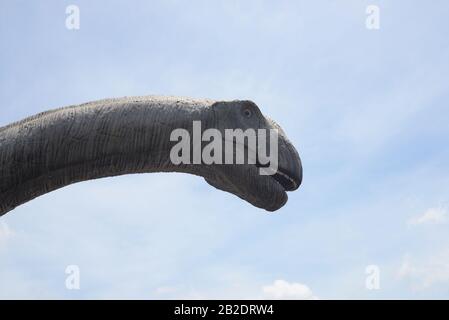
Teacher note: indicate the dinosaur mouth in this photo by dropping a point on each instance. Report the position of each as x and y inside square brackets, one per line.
[290, 180]
[284, 177]
[286, 180]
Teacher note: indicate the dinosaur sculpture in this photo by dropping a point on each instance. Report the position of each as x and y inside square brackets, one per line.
[132, 135]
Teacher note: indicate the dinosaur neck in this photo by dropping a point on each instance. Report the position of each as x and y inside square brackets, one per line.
[89, 141]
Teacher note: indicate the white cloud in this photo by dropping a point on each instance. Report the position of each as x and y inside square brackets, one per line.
[234, 285]
[282, 289]
[431, 216]
[427, 271]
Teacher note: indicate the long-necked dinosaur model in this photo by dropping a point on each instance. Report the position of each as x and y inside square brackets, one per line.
[134, 135]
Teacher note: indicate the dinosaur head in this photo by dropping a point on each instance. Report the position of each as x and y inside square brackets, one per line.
[264, 185]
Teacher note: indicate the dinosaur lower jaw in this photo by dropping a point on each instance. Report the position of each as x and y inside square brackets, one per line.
[289, 181]
[285, 180]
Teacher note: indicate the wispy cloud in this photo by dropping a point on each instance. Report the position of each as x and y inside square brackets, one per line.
[282, 289]
[426, 271]
[436, 215]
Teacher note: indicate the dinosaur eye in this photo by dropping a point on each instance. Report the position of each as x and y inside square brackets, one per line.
[248, 113]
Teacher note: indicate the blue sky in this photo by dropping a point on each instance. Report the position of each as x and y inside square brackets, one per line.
[366, 109]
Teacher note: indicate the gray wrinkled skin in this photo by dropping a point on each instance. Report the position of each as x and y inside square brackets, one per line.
[132, 135]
